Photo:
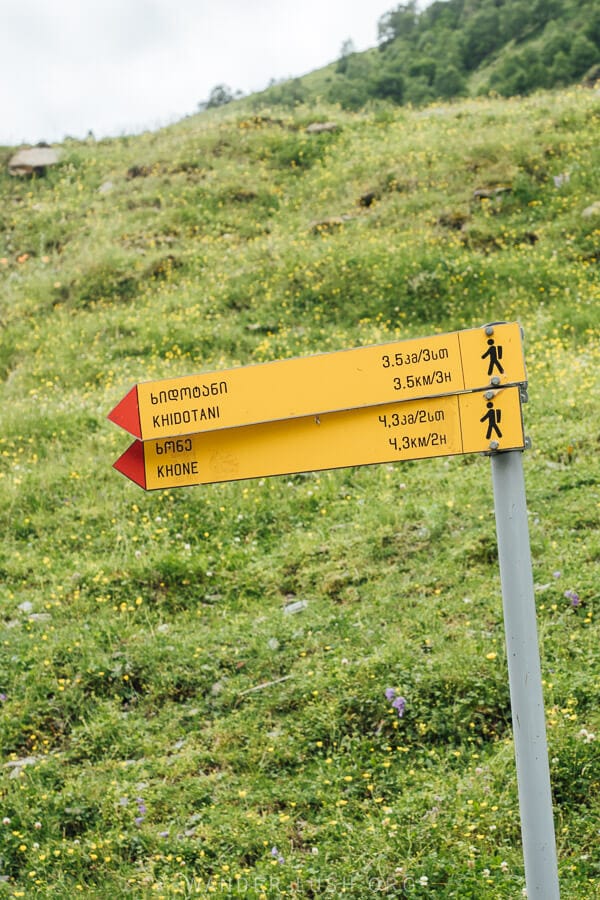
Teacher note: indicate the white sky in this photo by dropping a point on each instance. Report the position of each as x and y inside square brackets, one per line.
[120, 66]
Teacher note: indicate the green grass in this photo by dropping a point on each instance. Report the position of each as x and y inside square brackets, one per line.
[179, 715]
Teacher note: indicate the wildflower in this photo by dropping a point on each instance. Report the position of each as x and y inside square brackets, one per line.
[3, 698]
[423, 880]
[6, 820]
[556, 574]
[141, 811]
[573, 596]
[163, 834]
[277, 855]
[504, 865]
[399, 705]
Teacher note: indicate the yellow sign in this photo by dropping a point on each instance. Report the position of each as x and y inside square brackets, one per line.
[438, 426]
[287, 389]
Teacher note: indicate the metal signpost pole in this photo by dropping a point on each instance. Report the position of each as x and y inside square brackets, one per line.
[525, 678]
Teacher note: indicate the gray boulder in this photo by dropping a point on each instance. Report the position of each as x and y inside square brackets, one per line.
[32, 161]
[322, 127]
[591, 211]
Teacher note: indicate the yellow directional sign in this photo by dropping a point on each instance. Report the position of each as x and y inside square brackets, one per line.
[365, 376]
[437, 426]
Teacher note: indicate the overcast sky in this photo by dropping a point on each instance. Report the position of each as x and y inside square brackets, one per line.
[121, 66]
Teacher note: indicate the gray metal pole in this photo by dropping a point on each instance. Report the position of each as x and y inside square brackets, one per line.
[525, 677]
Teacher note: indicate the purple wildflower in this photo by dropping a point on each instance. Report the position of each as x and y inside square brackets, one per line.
[141, 811]
[277, 855]
[399, 704]
[3, 698]
[390, 693]
[573, 596]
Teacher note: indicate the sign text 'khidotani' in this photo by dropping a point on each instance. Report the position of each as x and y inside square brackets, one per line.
[439, 365]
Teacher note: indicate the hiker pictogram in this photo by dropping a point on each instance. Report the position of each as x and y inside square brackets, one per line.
[495, 355]
[492, 417]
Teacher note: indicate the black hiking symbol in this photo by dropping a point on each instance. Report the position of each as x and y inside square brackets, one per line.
[492, 417]
[495, 355]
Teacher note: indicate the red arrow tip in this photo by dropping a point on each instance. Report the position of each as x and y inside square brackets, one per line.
[126, 413]
[131, 464]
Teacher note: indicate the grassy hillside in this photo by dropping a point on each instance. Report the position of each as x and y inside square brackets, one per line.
[193, 682]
